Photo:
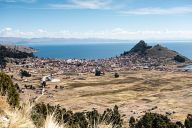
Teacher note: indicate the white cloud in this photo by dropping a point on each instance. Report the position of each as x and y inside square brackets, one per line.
[83, 4]
[159, 11]
[117, 33]
[6, 32]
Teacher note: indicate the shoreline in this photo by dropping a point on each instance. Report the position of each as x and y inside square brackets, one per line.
[73, 53]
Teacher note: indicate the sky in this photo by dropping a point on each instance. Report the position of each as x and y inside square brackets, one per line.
[109, 19]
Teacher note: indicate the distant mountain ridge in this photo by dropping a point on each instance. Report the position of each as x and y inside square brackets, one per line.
[15, 40]
[45, 39]
[10, 40]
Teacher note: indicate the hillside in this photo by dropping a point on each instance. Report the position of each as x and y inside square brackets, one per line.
[157, 52]
[15, 51]
[10, 51]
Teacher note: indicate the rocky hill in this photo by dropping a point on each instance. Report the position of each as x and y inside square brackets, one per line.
[10, 51]
[140, 48]
[157, 51]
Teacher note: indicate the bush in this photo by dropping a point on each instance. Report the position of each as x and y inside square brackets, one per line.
[112, 116]
[132, 122]
[188, 121]
[41, 110]
[154, 120]
[7, 88]
[2, 62]
[116, 75]
[97, 72]
[179, 58]
[93, 117]
[179, 123]
[90, 119]
[24, 73]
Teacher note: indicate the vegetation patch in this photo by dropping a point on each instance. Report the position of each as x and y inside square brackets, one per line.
[7, 88]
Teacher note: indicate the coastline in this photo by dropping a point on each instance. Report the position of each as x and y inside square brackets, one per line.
[97, 51]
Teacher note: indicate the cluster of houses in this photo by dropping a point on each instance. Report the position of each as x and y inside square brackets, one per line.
[128, 62]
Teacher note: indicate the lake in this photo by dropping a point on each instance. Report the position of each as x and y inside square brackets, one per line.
[98, 51]
[189, 67]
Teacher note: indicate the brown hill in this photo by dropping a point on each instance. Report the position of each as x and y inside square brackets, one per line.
[140, 47]
[13, 52]
[156, 51]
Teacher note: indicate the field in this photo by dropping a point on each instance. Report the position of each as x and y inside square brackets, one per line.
[135, 92]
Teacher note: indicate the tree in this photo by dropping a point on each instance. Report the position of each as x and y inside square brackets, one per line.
[116, 75]
[97, 72]
[24, 73]
[13, 96]
[93, 117]
[116, 117]
[179, 58]
[7, 88]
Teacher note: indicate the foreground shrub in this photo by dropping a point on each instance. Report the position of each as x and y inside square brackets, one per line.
[154, 120]
[90, 119]
[7, 88]
[188, 121]
[132, 122]
[41, 110]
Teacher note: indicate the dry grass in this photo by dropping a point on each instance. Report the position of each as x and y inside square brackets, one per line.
[50, 122]
[15, 118]
[3, 105]
[134, 91]
[105, 126]
[21, 118]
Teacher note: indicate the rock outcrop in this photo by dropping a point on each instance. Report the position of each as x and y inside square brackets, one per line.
[140, 48]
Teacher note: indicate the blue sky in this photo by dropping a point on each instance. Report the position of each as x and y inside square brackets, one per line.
[118, 19]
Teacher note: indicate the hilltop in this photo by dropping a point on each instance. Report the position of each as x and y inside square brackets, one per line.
[156, 51]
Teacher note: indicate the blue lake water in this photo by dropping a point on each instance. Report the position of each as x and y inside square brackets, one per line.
[98, 51]
[188, 67]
